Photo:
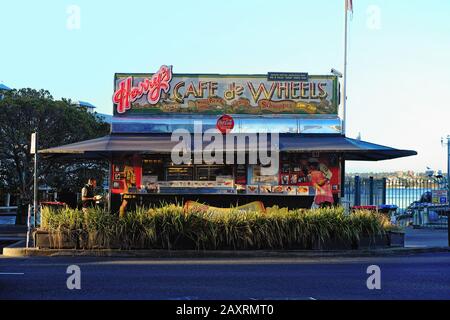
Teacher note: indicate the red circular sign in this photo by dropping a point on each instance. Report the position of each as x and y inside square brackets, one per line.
[225, 124]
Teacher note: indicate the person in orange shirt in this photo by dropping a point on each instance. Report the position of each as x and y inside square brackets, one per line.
[320, 177]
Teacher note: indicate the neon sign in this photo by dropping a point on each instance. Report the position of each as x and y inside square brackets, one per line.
[215, 94]
[126, 94]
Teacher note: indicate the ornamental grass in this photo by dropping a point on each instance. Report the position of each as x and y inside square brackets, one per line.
[173, 228]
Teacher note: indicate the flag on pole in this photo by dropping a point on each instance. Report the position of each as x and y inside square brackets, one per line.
[348, 8]
[349, 5]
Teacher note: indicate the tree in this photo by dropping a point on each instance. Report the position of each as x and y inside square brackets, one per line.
[58, 122]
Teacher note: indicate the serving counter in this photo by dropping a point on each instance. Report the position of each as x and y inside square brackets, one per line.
[129, 201]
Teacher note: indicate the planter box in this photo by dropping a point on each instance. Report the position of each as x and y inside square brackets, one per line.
[95, 240]
[331, 245]
[376, 242]
[62, 240]
[396, 239]
[55, 240]
[41, 239]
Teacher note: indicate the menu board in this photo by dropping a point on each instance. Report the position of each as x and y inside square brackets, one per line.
[296, 169]
[184, 173]
[126, 174]
[241, 174]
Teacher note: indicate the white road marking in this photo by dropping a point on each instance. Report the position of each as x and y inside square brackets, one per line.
[11, 273]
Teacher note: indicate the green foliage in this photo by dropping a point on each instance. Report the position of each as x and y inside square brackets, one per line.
[58, 122]
[170, 227]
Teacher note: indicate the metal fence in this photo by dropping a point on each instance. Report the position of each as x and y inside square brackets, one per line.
[400, 192]
[405, 192]
[365, 191]
[412, 196]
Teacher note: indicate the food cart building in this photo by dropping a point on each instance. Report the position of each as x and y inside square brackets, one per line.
[179, 137]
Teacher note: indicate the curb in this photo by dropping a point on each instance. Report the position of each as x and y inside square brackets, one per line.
[17, 252]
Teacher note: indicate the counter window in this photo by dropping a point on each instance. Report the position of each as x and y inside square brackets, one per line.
[180, 173]
[257, 178]
[210, 173]
[153, 167]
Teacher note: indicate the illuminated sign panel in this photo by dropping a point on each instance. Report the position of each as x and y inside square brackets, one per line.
[167, 93]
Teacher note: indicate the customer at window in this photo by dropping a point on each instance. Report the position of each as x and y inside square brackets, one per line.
[88, 197]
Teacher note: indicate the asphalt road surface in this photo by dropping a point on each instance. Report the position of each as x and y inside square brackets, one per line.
[425, 276]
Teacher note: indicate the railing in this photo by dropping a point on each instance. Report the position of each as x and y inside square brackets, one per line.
[404, 192]
[412, 196]
[364, 191]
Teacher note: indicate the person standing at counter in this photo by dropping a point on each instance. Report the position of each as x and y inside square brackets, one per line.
[88, 197]
[320, 177]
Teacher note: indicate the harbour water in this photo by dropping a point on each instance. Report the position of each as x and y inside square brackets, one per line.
[403, 197]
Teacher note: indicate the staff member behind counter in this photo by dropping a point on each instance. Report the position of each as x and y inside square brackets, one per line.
[88, 198]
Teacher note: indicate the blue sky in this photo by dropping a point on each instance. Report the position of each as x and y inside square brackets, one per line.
[399, 55]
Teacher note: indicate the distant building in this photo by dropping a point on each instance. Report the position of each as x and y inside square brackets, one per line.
[105, 117]
[89, 107]
[3, 88]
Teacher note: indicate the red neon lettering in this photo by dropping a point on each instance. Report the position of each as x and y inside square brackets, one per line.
[126, 94]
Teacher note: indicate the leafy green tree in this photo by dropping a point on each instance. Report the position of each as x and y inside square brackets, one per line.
[57, 122]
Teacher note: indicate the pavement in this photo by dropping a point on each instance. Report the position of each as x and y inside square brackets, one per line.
[11, 235]
[425, 238]
[7, 217]
[12, 231]
[420, 276]
[419, 271]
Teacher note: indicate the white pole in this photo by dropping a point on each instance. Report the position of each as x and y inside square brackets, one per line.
[448, 168]
[344, 89]
[36, 194]
[448, 189]
[28, 225]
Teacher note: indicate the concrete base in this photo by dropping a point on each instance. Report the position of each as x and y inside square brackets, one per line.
[23, 252]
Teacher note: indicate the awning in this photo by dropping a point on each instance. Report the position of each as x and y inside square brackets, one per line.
[115, 143]
[351, 149]
[104, 147]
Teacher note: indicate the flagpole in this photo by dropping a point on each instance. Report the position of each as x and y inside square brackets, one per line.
[344, 89]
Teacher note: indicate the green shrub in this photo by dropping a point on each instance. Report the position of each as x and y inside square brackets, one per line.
[170, 227]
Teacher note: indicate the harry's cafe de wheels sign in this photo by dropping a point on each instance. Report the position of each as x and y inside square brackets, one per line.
[275, 93]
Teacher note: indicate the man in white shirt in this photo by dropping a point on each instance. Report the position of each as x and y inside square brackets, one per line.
[87, 194]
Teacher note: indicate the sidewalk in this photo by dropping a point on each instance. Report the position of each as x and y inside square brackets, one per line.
[12, 232]
[425, 238]
[7, 217]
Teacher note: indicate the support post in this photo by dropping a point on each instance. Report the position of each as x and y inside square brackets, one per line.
[7, 199]
[357, 191]
[371, 191]
[342, 178]
[110, 173]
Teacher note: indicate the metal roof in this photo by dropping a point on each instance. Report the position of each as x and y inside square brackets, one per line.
[3, 87]
[86, 104]
[104, 147]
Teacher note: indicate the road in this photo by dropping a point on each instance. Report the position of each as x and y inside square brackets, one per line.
[424, 276]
